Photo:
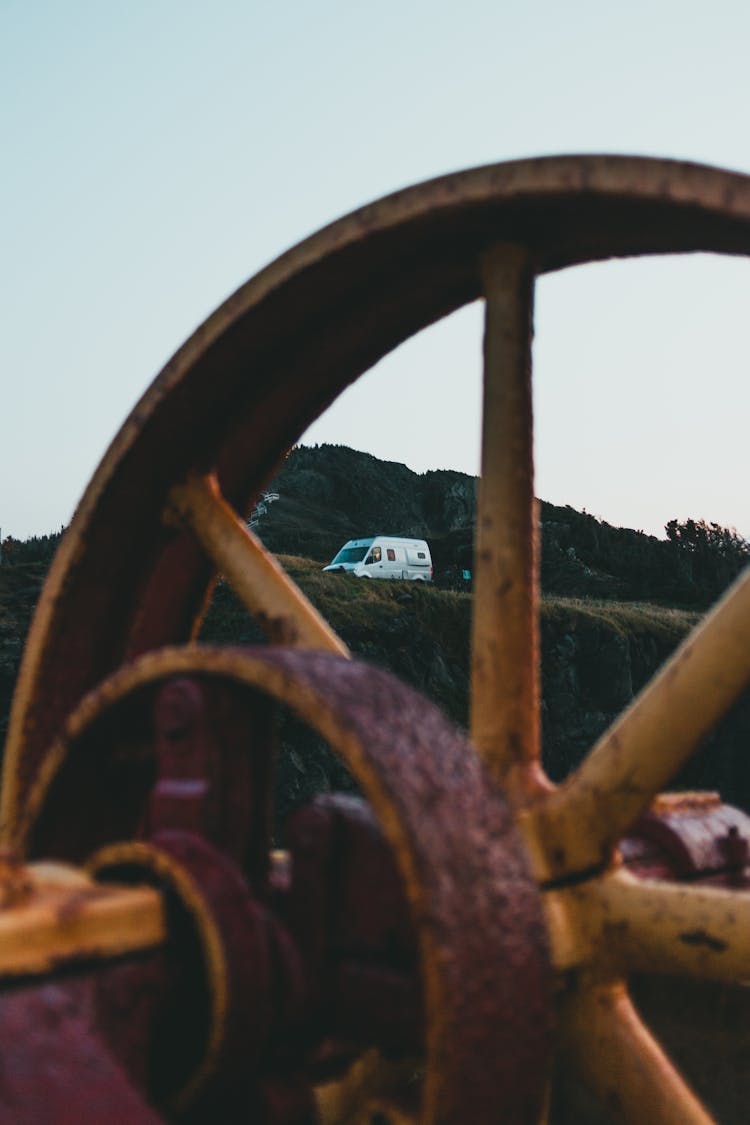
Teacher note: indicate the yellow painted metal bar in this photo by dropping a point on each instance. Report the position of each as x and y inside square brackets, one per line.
[280, 607]
[505, 629]
[59, 914]
[605, 1044]
[576, 827]
[649, 926]
[370, 1089]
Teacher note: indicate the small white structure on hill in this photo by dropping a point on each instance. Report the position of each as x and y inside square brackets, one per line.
[261, 508]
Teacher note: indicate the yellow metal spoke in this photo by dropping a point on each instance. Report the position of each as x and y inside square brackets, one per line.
[652, 927]
[505, 629]
[282, 610]
[607, 1046]
[583, 819]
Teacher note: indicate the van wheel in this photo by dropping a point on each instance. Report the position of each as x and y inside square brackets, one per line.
[164, 514]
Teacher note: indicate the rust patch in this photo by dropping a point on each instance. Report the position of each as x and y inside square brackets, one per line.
[15, 882]
[74, 904]
[701, 937]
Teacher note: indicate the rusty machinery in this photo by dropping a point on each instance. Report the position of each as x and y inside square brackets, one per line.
[432, 954]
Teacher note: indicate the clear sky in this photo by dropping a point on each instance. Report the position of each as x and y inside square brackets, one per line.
[154, 155]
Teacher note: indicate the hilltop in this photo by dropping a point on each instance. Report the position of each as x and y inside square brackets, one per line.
[330, 493]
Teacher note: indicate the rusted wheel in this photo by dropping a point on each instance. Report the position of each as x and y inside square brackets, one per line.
[162, 514]
[486, 978]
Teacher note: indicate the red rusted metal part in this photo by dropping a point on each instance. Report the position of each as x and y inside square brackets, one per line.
[264, 365]
[220, 1018]
[349, 915]
[329, 964]
[103, 1040]
[214, 754]
[185, 750]
[56, 1069]
[187, 754]
[476, 911]
[314, 1017]
[690, 837]
[128, 997]
[486, 983]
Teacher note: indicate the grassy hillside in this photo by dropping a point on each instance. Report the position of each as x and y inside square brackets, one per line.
[596, 655]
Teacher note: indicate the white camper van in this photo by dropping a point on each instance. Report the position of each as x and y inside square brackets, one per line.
[384, 556]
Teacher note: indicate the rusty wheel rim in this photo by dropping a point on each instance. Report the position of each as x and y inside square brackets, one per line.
[162, 513]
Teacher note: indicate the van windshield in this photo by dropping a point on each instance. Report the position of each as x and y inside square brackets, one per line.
[351, 554]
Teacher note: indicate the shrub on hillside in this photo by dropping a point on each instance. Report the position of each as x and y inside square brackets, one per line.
[708, 555]
[39, 548]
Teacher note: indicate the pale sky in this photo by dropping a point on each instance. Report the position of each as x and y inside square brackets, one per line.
[156, 155]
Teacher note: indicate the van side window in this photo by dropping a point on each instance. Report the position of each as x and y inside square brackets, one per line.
[391, 554]
[374, 556]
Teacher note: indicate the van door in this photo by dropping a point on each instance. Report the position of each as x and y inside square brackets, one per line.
[391, 565]
[374, 562]
[400, 569]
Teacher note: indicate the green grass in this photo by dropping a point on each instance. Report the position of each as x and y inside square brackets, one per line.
[422, 633]
[445, 612]
[349, 602]
[628, 618]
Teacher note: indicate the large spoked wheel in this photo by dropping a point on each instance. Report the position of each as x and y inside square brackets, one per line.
[162, 515]
[486, 986]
